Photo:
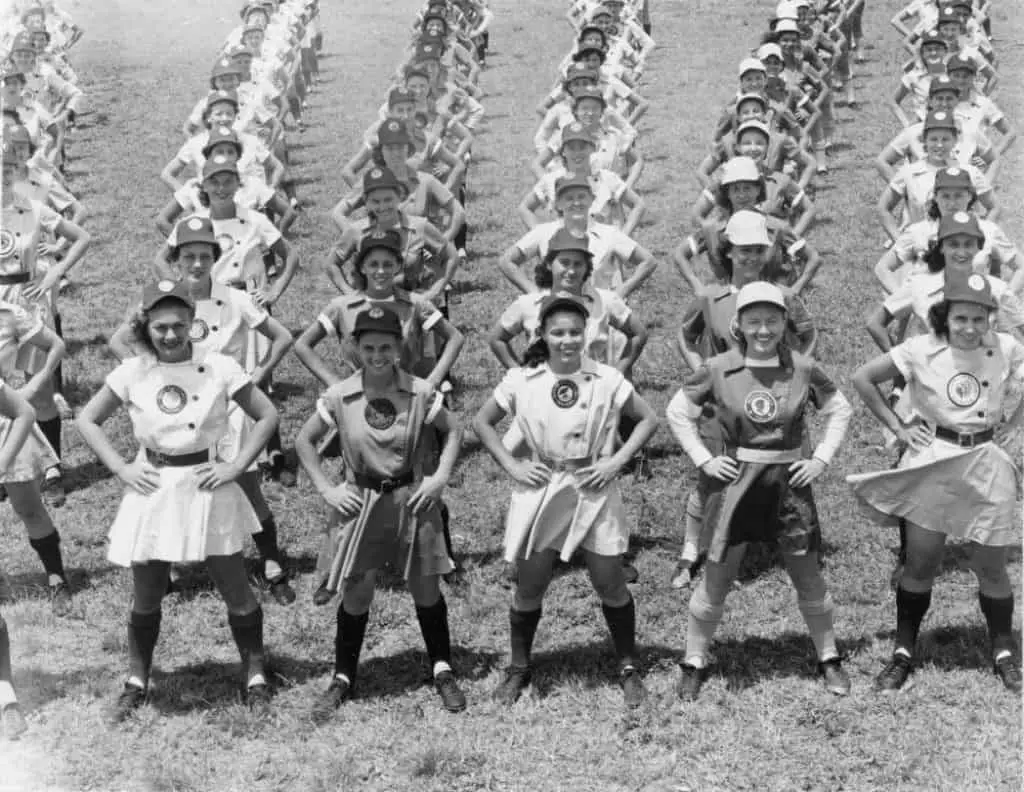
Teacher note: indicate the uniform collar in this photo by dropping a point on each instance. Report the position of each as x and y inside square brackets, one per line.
[587, 366]
[353, 386]
[940, 345]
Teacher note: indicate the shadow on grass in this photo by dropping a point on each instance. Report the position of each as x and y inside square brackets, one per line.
[470, 285]
[954, 647]
[83, 476]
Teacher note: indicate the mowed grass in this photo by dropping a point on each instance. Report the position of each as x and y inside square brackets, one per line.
[763, 722]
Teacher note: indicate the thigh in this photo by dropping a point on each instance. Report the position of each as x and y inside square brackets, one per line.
[149, 585]
[27, 503]
[357, 593]
[425, 589]
[989, 563]
[924, 551]
[228, 573]
[534, 573]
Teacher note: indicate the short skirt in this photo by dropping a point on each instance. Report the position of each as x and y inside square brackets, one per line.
[35, 457]
[383, 534]
[966, 493]
[179, 522]
[562, 517]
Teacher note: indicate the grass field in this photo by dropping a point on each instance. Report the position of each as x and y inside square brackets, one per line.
[763, 721]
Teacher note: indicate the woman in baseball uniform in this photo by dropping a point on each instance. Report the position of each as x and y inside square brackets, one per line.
[17, 426]
[567, 407]
[229, 322]
[756, 487]
[387, 509]
[182, 502]
[954, 481]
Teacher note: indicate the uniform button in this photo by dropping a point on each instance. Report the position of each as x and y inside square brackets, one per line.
[981, 413]
[214, 328]
[984, 383]
[202, 369]
[990, 353]
[235, 265]
[218, 302]
[191, 426]
[195, 398]
[583, 404]
[17, 233]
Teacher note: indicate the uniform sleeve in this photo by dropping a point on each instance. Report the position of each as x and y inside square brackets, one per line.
[232, 375]
[323, 409]
[186, 154]
[57, 197]
[511, 319]
[505, 393]
[980, 181]
[49, 219]
[616, 186]
[905, 246]
[623, 246]
[684, 411]
[120, 379]
[821, 386]
[330, 319]
[1013, 351]
[899, 183]
[900, 303]
[529, 243]
[1003, 249]
[269, 235]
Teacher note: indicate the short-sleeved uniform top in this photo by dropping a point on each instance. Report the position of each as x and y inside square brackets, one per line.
[224, 323]
[250, 165]
[916, 240]
[607, 186]
[923, 289]
[609, 246]
[915, 183]
[22, 226]
[243, 240]
[421, 263]
[417, 315]
[909, 143]
[178, 408]
[976, 116]
[959, 389]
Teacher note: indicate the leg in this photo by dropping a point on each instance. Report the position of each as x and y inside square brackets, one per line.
[245, 616]
[48, 420]
[27, 503]
[11, 719]
[995, 596]
[609, 580]
[816, 607]
[432, 614]
[149, 583]
[533, 575]
[687, 565]
[266, 540]
[353, 614]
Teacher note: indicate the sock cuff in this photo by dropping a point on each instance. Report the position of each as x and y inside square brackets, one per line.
[441, 606]
[703, 609]
[524, 616]
[630, 605]
[357, 617]
[251, 619]
[50, 540]
[922, 597]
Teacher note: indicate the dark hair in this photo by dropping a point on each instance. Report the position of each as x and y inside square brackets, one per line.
[12, 114]
[935, 260]
[139, 323]
[175, 252]
[722, 196]
[377, 153]
[933, 207]
[542, 274]
[784, 350]
[938, 318]
[204, 199]
[538, 352]
[357, 268]
[236, 143]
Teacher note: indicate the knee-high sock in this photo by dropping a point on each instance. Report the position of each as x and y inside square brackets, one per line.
[143, 631]
[48, 550]
[911, 607]
[348, 642]
[704, 620]
[247, 630]
[999, 616]
[434, 626]
[522, 629]
[266, 541]
[818, 616]
[51, 431]
[622, 625]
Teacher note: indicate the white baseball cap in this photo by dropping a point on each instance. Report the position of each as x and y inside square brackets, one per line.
[747, 227]
[760, 292]
[768, 50]
[751, 64]
[740, 169]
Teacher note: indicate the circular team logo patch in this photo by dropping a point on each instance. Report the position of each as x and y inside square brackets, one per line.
[761, 406]
[963, 389]
[171, 399]
[7, 244]
[199, 331]
[976, 283]
[380, 413]
[565, 393]
[226, 242]
[195, 224]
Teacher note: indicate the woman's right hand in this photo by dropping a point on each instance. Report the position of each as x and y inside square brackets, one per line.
[722, 468]
[140, 476]
[530, 474]
[343, 498]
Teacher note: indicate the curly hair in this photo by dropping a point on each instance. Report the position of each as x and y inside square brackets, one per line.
[542, 273]
[538, 351]
[933, 207]
[357, 269]
[935, 260]
[722, 195]
[138, 323]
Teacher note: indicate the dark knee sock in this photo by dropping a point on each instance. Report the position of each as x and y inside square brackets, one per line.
[247, 630]
[348, 642]
[911, 606]
[434, 626]
[903, 541]
[522, 629]
[999, 616]
[275, 447]
[143, 631]
[266, 541]
[5, 653]
[51, 431]
[446, 530]
[461, 236]
[622, 625]
[58, 373]
[48, 550]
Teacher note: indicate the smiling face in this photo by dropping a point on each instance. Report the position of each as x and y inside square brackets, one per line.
[574, 200]
[10, 175]
[747, 263]
[968, 324]
[790, 44]
[963, 79]
[569, 270]
[950, 200]
[168, 328]
[959, 250]
[589, 111]
[933, 53]
[226, 82]
[196, 259]
[10, 91]
[943, 101]
[774, 65]
[382, 205]
[378, 351]
[418, 85]
[762, 326]
[592, 39]
[938, 144]
[753, 81]
[565, 332]
[753, 144]
[435, 28]
[222, 114]
[380, 268]
[743, 195]
[221, 187]
[576, 155]
[750, 110]
[228, 151]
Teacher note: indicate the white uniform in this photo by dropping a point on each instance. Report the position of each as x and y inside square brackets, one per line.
[609, 246]
[569, 422]
[175, 409]
[915, 183]
[608, 189]
[965, 492]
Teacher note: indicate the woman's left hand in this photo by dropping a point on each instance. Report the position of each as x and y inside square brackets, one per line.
[599, 475]
[805, 471]
[217, 474]
[41, 288]
[427, 494]
[48, 249]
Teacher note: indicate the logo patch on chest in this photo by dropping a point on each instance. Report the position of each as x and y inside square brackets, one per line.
[7, 244]
[963, 389]
[565, 394]
[380, 413]
[226, 242]
[199, 331]
[171, 399]
[761, 406]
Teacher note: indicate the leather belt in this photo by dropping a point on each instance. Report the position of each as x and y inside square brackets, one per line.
[384, 485]
[17, 277]
[160, 459]
[964, 439]
[564, 465]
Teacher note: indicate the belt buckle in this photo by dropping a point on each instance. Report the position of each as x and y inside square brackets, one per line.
[388, 485]
[967, 440]
[158, 458]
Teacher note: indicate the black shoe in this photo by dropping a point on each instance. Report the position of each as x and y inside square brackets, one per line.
[512, 686]
[452, 697]
[131, 698]
[633, 691]
[281, 590]
[894, 675]
[12, 722]
[689, 684]
[1008, 670]
[60, 599]
[322, 595]
[337, 693]
[837, 681]
[629, 572]
[258, 698]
